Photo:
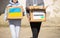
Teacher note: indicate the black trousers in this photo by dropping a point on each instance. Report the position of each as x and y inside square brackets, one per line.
[35, 27]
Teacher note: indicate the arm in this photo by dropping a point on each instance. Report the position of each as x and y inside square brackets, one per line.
[28, 13]
[24, 8]
[5, 15]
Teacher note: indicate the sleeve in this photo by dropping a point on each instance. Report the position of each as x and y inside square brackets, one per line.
[9, 5]
[5, 15]
[27, 11]
[24, 10]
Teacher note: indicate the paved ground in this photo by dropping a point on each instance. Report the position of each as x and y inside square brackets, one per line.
[46, 32]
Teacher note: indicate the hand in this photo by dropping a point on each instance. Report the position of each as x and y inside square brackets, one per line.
[28, 17]
[5, 19]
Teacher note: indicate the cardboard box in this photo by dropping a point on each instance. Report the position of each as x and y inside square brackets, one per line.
[36, 7]
[37, 16]
[15, 12]
[37, 13]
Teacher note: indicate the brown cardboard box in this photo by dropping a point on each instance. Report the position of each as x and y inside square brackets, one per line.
[37, 13]
[15, 12]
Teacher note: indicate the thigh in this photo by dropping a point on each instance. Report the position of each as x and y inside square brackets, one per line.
[15, 22]
[18, 23]
[35, 24]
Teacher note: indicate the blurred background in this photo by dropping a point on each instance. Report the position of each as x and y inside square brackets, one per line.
[49, 29]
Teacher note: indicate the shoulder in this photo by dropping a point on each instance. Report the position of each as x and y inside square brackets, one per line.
[8, 5]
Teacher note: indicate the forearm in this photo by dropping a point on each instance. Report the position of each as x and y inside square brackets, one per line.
[5, 15]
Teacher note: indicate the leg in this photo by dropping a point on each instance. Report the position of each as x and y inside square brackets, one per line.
[12, 28]
[17, 27]
[34, 30]
[38, 28]
[35, 26]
